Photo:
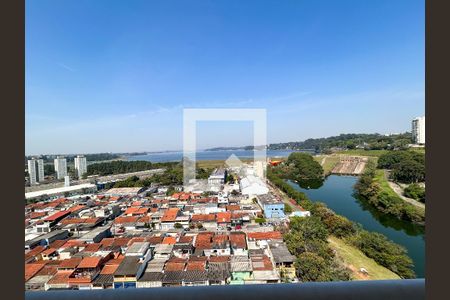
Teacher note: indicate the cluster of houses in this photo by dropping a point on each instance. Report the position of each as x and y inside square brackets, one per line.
[121, 239]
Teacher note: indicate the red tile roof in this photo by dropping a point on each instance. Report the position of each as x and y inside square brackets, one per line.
[70, 263]
[186, 239]
[33, 252]
[136, 211]
[170, 215]
[77, 207]
[169, 240]
[57, 244]
[121, 241]
[219, 238]
[109, 269]
[73, 243]
[123, 220]
[203, 240]
[203, 218]
[106, 242]
[94, 247]
[196, 266]
[35, 215]
[233, 207]
[55, 216]
[271, 235]
[261, 263]
[174, 266]
[223, 258]
[90, 262]
[238, 240]
[224, 217]
[48, 251]
[80, 221]
[32, 269]
[61, 277]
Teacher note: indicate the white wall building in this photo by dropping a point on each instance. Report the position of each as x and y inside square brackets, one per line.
[418, 130]
[60, 167]
[80, 165]
[36, 174]
[252, 185]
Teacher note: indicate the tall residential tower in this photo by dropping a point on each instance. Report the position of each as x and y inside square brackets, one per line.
[60, 167]
[418, 130]
[36, 170]
[80, 165]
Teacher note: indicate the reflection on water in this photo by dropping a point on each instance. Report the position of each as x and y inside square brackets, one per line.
[310, 183]
[338, 194]
[390, 221]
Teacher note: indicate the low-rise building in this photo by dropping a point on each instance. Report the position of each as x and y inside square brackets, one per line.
[273, 208]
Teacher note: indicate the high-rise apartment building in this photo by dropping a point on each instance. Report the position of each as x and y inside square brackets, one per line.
[60, 167]
[36, 170]
[80, 165]
[418, 130]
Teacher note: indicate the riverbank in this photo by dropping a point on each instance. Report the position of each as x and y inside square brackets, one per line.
[374, 188]
[355, 261]
[373, 244]
[399, 190]
[350, 256]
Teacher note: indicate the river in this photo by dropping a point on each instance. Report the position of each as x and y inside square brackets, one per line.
[338, 194]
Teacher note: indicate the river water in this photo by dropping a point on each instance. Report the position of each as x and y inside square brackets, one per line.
[338, 194]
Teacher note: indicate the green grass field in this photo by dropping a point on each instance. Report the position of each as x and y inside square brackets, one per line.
[355, 260]
[330, 162]
[363, 152]
[384, 185]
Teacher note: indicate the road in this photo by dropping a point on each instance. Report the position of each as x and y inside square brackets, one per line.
[399, 191]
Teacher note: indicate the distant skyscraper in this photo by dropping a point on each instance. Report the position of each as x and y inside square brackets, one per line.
[60, 167]
[418, 130]
[66, 181]
[80, 165]
[36, 170]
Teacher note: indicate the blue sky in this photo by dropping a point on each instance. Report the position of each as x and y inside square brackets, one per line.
[114, 76]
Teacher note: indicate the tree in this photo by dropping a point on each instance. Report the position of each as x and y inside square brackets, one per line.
[415, 191]
[260, 220]
[408, 171]
[384, 252]
[287, 208]
[178, 225]
[303, 166]
[170, 191]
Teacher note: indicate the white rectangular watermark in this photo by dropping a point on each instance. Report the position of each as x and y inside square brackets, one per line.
[192, 115]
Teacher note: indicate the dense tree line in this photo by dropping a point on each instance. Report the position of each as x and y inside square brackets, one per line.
[89, 157]
[307, 240]
[389, 203]
[119, 167]
[416, 192]
[374, 245]
[299, 166]
[303, 166]
[349, 141]
[405, 166]
[173, 175]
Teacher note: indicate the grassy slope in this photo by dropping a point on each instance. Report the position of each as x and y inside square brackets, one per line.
[355, 259]
[382, 181]
[330, 162]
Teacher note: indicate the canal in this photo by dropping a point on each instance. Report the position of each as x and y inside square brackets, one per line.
[338, 194]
